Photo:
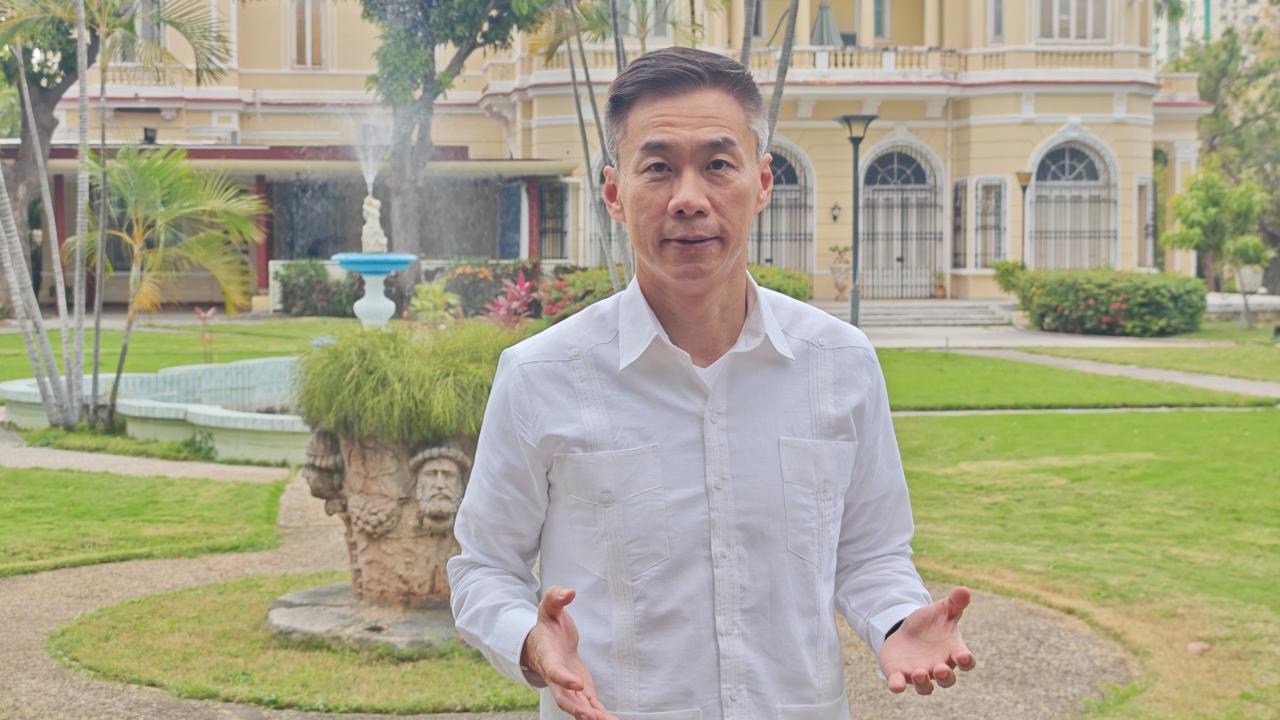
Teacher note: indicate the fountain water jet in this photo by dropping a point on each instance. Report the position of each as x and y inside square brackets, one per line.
[373, 308]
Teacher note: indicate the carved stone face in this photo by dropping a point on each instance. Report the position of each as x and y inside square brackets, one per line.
[439, 492]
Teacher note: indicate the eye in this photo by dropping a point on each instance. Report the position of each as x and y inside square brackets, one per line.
[718, 164]
[658, 167]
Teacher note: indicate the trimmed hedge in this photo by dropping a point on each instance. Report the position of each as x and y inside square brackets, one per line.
[572, 291]
[307, 290]
[1105, 301]
[787, 282]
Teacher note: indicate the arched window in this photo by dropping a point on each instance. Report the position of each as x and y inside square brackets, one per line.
[900, 250]
[1073, 201]
[782, 236]
[897, 167]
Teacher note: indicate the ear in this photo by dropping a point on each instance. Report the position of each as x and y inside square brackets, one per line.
[766, 182]
[612, 194]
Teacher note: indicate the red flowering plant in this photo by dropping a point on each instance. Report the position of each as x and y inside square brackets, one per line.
[515, 304]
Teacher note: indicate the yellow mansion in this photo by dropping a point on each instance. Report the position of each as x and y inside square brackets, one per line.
[968, 93]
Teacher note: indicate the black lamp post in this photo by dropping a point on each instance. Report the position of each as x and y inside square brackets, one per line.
[856, 127]
[1024, 179]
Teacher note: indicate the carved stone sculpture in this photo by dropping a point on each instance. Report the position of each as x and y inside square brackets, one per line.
[398, 506]
[372, 238]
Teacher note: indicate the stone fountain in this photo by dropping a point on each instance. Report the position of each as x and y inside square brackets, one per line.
[373, 308]
[396, 501]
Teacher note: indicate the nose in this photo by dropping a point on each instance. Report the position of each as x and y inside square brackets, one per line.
[689, 197]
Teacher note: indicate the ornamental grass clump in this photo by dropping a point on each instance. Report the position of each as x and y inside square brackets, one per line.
[400, 385]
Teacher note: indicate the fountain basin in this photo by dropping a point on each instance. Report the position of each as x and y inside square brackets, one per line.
[374, 263]
[244, 407]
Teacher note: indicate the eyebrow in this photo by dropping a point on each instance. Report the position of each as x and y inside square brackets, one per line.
[724, 142]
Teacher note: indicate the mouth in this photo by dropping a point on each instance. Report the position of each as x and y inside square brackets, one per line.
[694, 242]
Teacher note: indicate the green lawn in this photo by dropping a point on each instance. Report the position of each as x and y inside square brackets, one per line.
[1160, 528]
[211, 643]
[927, 380]
[1252, 355]
[60, 518]
[153, 348]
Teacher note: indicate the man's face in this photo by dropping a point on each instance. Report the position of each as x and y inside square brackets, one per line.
[688, 183]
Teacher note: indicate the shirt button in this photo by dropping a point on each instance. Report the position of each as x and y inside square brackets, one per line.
[822, 342]
[724, 554]
[573, 352]
[715, 418]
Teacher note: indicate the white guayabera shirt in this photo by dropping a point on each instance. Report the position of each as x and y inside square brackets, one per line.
[711, 531]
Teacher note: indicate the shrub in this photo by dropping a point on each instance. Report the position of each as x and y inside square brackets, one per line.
[787, 282]
[515, 304]
[307, 289]
[399, 385]
[570, 293]
[433, 305]
[1107, 302]
[478, 282]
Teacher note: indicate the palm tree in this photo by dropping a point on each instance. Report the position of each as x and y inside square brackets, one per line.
[134, 30]
[784, 62]
[172, 219]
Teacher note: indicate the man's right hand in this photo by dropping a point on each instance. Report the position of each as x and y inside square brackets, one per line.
[551, 652]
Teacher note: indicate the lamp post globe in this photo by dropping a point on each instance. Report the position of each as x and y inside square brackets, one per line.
[856, 128]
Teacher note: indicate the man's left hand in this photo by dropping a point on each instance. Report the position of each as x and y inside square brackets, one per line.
[927, 647]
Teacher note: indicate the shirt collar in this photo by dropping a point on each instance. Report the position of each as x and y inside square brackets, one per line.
[638, 327]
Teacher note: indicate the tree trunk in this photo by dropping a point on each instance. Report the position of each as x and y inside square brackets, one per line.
[135, 272]
[752, 9]
[27, 310]
[1245, 320]
[586, 156]
[82, 207]
[99, 265]
[22, 176]
[780, 82]
[51, 222]
[1211, 271]
[619, 49]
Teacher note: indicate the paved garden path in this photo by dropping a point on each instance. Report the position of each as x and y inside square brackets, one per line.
[1220, 383]
[1015, 641]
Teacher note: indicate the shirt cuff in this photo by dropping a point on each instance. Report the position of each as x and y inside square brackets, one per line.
[513, 627]
[881, 623]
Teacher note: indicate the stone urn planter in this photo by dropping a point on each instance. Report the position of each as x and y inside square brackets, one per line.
[841, 270]
[842, 278]
[393, 468]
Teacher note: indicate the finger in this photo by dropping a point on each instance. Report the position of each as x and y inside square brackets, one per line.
[943, 675]
[957, 601]
[897, 683]
[920, 678]
[555, 600]
[573, 703]
[964, 659]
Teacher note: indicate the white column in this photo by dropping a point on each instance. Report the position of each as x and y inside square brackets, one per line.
[932, 14]
[866, 23]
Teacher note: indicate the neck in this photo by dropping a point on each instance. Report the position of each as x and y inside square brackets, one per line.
[703, 323]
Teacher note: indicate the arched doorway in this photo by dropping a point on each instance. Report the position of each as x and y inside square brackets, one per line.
[782, 235]
[901, 245]
[1073, 210]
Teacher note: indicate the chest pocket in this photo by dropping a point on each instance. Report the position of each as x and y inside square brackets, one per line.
[815, 475]
[618, 509]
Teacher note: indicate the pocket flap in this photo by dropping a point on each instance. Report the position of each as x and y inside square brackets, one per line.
[817, 464]
[837, 709]
[610, 476]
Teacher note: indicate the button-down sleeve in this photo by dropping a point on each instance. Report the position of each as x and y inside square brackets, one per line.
[876, 583]
[494, 592]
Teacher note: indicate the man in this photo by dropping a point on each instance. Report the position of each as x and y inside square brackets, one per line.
[709, 467]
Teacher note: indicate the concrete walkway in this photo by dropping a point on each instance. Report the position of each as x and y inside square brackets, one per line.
[34, 687]
[1009, 336]
[1220, 383]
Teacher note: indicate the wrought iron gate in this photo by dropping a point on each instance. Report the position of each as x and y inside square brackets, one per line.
[782, 236]
[1073, 211]
[900, 250]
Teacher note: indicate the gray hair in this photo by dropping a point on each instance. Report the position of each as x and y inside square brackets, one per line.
[675, 71]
